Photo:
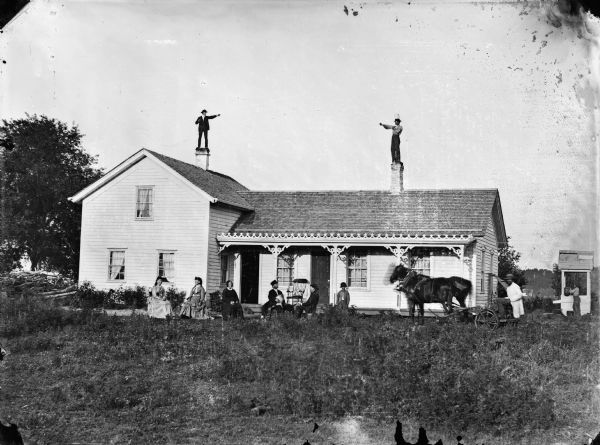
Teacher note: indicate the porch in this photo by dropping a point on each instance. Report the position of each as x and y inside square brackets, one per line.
[364, 262]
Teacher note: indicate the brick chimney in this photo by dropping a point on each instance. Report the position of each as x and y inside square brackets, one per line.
[397, 183]
[202, 158]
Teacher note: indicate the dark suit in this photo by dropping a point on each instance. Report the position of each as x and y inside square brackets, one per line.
[310, 305]
[203, 127]
[273, 293]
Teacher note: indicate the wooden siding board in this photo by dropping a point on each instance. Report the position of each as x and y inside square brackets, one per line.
[221, 220]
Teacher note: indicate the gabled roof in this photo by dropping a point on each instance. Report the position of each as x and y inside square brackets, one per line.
[413, 212]
[222, 187]
[219, 187]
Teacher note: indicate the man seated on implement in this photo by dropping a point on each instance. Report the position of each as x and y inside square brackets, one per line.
[310, 305]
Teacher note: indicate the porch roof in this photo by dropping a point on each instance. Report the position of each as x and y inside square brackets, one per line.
[412, 213]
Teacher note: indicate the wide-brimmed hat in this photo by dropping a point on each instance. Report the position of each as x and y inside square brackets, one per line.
[315, 286]
[343, 284]
[203, 111]
[274, 282]
[163, 279]
[198, 279]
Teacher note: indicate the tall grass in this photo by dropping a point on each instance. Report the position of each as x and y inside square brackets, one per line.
[137, 371]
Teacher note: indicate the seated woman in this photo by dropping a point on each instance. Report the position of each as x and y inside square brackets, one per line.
[231, 303]
[194, 306]
[158, 305]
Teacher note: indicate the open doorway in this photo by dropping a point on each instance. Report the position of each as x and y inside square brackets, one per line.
[249, 277]
[320, 274]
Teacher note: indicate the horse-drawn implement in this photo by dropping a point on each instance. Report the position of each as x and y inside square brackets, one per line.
[421, 289]
[487, 317]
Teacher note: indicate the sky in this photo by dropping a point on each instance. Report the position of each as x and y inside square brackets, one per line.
[491, 95]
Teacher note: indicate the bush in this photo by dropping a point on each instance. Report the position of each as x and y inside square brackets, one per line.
[538, 302]
[175, 296]
[26, 314]
[87, 296]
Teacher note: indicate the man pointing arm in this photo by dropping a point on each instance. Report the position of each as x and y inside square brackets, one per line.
[203, 127]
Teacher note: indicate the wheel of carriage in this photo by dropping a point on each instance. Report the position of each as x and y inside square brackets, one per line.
[487, 318]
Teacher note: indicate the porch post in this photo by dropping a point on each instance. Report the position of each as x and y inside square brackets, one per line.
[335, 251]
[237, 273]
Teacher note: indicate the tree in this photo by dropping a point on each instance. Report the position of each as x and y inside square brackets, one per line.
[508, 262]
[556, 280]
[44, 164]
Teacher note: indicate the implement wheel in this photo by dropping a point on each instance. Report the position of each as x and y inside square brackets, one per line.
[487, 318]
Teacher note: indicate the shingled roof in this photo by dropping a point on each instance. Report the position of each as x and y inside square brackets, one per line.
[413, 212]
[222, 187]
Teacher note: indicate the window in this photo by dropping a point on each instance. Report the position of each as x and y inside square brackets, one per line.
[224, 268]
[166, 264]
[116, 265]
[356, 272]
[143, 206]
[421, 263]
[285, 270]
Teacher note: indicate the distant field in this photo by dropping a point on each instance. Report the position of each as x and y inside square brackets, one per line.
[89, 378]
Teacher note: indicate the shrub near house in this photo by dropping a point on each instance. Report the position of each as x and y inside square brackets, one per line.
[87, 296]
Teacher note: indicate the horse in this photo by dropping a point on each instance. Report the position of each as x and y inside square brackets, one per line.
[421, 289]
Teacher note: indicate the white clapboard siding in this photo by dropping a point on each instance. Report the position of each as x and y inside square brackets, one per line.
[266, 273]
[379, 292]
[487, 262]
[302, 266]
[179, 224]
[222, 218]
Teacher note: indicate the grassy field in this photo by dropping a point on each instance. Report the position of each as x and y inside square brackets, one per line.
[80, 377]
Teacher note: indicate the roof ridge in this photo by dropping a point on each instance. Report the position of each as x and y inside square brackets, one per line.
[214, 172]
[375, 190]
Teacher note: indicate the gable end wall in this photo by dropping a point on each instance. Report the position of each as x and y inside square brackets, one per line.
[487, 262]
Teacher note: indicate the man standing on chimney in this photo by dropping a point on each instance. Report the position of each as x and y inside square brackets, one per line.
[396, 130]
[203, 127]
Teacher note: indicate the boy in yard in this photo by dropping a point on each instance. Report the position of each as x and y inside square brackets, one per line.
[342, 298]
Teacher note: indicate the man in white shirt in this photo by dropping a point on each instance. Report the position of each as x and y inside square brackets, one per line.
[514, 294]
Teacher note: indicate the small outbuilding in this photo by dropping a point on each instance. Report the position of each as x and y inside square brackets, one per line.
[575, 271]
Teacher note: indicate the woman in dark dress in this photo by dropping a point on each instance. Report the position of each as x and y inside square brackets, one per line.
[231, 302]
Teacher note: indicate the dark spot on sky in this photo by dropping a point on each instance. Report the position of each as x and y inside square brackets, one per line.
[354, 13]
[4, 61]
[346, 9]
[533, 38]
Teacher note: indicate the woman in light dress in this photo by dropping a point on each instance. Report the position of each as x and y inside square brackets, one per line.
[194, 305]
[158, 305]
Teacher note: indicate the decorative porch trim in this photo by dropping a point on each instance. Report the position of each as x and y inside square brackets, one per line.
[335, 250]
[337, 239]
[276, 249]
[400, 252]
